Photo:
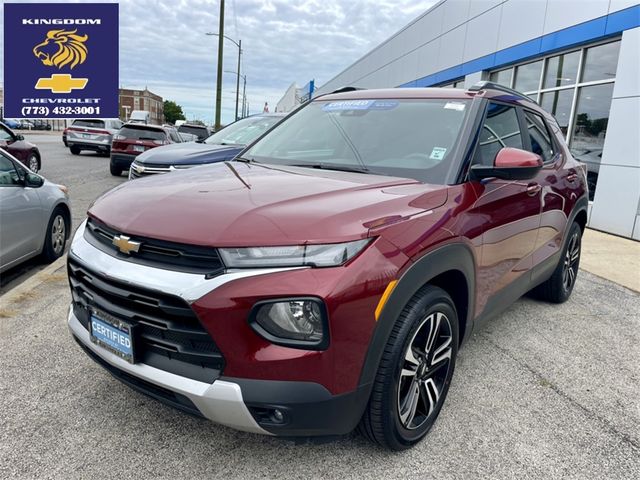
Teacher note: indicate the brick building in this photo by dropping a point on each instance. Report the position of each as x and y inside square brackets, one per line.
[130, 100]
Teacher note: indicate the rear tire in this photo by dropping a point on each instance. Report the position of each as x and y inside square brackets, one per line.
[558, 288]
[74, 150]
[56, 236]
[415, 372]
[115, 171]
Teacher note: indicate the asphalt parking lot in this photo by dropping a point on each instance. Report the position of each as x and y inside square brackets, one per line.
[543, 391]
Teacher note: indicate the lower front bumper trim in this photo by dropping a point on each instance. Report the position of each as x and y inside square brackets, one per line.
[220, 401]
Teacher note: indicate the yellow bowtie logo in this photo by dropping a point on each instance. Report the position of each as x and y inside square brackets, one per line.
[61, 83]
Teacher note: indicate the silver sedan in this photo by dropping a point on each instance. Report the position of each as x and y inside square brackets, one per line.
[34, 215]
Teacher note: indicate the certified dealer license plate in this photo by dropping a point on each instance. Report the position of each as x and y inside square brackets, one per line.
[112, 334]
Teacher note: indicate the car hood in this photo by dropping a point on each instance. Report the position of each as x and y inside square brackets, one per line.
[189, 153]
[238, 204]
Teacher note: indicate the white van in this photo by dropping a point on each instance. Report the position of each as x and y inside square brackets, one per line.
[140, 116]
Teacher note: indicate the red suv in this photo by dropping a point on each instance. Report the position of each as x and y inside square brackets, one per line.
[133, 139]
[327, 277]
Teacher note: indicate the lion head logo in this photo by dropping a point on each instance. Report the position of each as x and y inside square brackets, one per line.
[62, 47]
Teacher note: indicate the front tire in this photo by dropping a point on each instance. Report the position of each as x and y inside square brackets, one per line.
[414, 373]
[74, 150]
[33, 163]
[558, 288]
[57, 233]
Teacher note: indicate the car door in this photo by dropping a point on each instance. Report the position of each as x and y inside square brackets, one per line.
[554, 181]
[508, 212]
[20, 214]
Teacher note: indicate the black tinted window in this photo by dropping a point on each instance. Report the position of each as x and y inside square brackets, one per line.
[142, 133]
[539, 135]
[90, 123]
[500, 129]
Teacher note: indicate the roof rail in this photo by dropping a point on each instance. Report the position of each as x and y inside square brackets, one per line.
[347, 89]
[484, 85]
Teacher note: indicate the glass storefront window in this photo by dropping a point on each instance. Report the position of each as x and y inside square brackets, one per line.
[592, 117]
[562, 70]
[558, 103]
[528, 76]
[600, 62]
[502, 77]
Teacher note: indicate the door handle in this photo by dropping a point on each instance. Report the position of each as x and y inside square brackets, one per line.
[533, 189]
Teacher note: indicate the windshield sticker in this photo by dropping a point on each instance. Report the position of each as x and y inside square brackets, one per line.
[437, 153]
[455, 106]
[360, 105]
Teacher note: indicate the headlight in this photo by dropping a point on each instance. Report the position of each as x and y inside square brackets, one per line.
[329, 255]
[295, 322]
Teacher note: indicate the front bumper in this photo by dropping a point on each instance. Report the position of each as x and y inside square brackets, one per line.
[220, 401]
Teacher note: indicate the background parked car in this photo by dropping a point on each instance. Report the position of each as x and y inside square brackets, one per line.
[25, 125]
[219, 147]
[64, 136]
[94, 134]
[135, 138]
[11, 123]
[41, 125]
[188, 137]
[140, 116]
[200, 131]
[17, 146]
[34, 215]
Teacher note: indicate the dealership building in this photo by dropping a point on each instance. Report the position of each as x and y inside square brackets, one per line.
[579, 59]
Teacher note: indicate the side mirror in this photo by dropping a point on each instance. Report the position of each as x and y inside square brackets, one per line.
[32, 180]
[510, 164]
[19, 137]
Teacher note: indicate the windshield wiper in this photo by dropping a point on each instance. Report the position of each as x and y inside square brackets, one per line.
[244, 160]
[333, 166]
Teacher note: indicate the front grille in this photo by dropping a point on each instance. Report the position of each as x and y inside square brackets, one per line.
[167, 333]
[148, 169]
[158, 253]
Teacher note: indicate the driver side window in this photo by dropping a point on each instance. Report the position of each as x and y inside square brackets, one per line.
[500, 129]
[5, 135]
[9, 176]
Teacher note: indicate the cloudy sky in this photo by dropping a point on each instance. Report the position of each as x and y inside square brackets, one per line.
[163, 45]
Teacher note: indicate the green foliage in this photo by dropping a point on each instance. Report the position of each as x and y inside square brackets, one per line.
[172, 111]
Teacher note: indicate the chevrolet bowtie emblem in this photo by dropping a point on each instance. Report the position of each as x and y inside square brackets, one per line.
[61, 83]
[125, 245]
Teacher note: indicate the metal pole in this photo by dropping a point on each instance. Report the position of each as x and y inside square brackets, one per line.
[219, 80]
[238, 77]
[244, 95]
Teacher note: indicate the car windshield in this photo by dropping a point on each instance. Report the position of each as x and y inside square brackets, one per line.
[141, 133]
[89, 123]
[243, 131]
[411, 138]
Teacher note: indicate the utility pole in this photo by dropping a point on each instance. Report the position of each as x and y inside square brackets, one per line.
[238, 77]
[219, 79]
[244, 95]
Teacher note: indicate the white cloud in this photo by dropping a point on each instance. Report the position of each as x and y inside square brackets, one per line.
[163, 45]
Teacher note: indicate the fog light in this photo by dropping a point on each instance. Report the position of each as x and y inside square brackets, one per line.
[296, 322]
[278, 416]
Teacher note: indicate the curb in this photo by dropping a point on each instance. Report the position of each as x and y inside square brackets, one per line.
[34, 281]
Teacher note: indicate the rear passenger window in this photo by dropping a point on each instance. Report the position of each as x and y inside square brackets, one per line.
[500, 129]
[541, 143]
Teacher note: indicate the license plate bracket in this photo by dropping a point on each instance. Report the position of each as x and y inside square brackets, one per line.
[112, 334]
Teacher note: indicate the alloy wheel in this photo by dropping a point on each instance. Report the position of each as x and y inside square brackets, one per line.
[33, 163]
[58, 234]
[570, 267]
[424, 371]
